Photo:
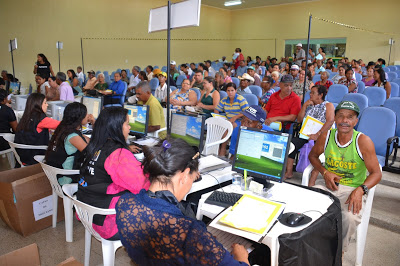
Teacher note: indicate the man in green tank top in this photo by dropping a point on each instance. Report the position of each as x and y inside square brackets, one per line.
[349, 154]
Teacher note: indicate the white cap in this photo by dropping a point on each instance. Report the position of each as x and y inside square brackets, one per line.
[172, 62]
[299, 44]
[294, 66]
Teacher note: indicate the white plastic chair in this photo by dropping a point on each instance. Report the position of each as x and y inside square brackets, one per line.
[216, 127]
[51, 173]
[362, 228]
[10, 139]
[86, 213]
[10, 155]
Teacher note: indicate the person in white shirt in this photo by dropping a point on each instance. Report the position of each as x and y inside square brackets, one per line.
[134, 80]
[211, 70]
[79, 74]
[222, 60]
[300, 54]
[185, 70]
[161, 91]
[149, 72]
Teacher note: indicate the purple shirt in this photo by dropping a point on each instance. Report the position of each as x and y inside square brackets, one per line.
[66, 93]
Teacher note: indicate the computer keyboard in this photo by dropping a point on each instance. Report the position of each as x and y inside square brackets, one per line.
[223, 199]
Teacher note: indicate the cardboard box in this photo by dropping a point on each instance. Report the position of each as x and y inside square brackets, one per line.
[23, 203]
[27, 256]
[70, 262]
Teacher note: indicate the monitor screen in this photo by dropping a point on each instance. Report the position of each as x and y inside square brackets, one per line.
[261, 153]
[14, 87]
[188, 127]
[138, 118]
[93, 105]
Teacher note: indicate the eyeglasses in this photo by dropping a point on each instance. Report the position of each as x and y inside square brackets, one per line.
[185, 83]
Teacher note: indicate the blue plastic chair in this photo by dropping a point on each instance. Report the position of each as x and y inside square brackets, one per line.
[316, 78]
[173, 88]
[392, 68]
[397, 72]
[256, 90]
[394, 105]
[164, 69]
[112, 76]
[154, 83]
[106, 73]
[397, 81]
[97, 73]
[392, 76]
[395, 90]
[376, 96]
[236, 81]
[198, 92]
[156, 67]
[307, 96]
[180, 80]
[251, 99]
[358, 76]
[397, 67]
[386, 69]
[222, 94]
[336, 93]
[121, 100]
[378, 129]
[360, 87]
[360, 99]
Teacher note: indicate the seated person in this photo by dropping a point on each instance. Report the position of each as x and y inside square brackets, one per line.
[197, 81]
[156, 114]
[66, 93]
[161, 90]
[109, 169]
[101, 85]
[319, 109]
[324, 80]
[241, 69]
[253, 117]
[142, 76]
[178, 238]
[219, 79]
[369, 79]
[225, 73]
[149, 72]
[252, 72]
[67, 142]
[298, 84]
[340, 74]
[134, 80]
[209, 98]
[381, 81]
[53, 93]
[33, 128]
[245, 82]
[42, 84]
[349, 155]
[117, 87]
[319, 67]
[276, 78]
[124, 76]
[267, 91]
[91, 82]
[184, 96]
[349, 81]
[284, 105]
[72, 78]
[8, 120]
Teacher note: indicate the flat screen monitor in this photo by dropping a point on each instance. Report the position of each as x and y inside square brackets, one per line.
[15, 87]
[93, 105]
[263, 154]
[52, 108]
[138, 119]
[189, 127]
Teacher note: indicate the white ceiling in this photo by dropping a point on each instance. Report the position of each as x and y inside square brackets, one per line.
[251, 3]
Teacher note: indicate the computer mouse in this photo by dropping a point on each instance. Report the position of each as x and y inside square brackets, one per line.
[295, 218]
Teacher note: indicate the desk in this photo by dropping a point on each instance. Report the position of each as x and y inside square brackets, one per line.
[296, 198]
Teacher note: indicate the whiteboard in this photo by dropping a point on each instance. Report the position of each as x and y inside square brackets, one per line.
[183, 14]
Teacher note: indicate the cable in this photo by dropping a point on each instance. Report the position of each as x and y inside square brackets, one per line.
[217, 181]
[313, 211]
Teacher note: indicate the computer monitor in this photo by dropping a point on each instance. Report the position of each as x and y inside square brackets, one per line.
[15, 87]
[59, 111]
[18, 102]
[138, 119]
[52, 108]
[263, 154]
[93, 105]
[189, 127]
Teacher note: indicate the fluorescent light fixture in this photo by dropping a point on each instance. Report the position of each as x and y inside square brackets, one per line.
[233, 3]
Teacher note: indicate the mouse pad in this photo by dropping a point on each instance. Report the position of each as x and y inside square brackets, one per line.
[284, 217]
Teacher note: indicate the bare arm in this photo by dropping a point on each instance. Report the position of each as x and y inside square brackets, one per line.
[51, 71]
[78, 143]
[285, 118]
[302, 112]
[153, 128]
[14, 125]
[388, 88]
[352, 87]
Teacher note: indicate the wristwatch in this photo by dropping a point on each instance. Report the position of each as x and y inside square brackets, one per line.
[365, 189]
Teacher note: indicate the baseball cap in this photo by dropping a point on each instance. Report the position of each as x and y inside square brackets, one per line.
[162, 74]
[299, 44]
[255, 113]
[349, 106]
[91, 72]
[294, 66]
[287, 79]
[172, 62]
[251, 67]
[156, 71]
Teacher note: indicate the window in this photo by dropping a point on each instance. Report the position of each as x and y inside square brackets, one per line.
[335, 47]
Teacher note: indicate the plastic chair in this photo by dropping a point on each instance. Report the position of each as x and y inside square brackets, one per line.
[154, 83]
[358, 76]
[164, 69]
[51, 173]
[10, 139]
[397, 81]
[336, 93]
[222, 94]
[173, 88]
[392, 68]
[121, 99]
[394, 105]
[180, 80]
[236, 81]
[360, 99]
[198, 93]
[362, 228]
[307, 96]
[316, 78]
[85, 213]
[386, 69]
[376, 96]
[216, 128]
[251, 99]
[256, 90]
[395, 90]
[397, 67]
[392, 76]
[360, 87]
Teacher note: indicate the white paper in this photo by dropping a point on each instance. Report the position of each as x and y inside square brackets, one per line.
[147, 141]
[13, 45]
[312, 127]
[209, 161]
[43, 207]
[59, 45]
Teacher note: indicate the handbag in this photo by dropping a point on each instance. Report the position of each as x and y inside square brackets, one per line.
[303, 156]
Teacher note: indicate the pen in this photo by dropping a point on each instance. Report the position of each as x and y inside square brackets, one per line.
[272, 226]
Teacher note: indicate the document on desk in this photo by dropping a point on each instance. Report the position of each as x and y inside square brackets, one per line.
[251, 217]
[211, 162]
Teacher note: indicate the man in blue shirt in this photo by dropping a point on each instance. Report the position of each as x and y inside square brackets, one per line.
[242, 68]
[253, 117]
[117, 87]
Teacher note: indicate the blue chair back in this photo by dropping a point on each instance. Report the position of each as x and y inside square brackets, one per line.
[317, 77]
[236, 81]
[222, 94]
[358, 76]
[392, 76]
[180, 80]
[164, 69]
[397, 67]
[307, 96]
[378, 129]
[397, 81]
[97, 73]
[392, 68]
[386, 69]
[251, 99]
[198, 92]
[397, 72]
[360, 87]
[394, 105]
[122, 99]
[336, 92]
[106, 73]
[376, 96]
[395, 90]
[360, 99]
[154, 83]
[156, 67]
[173, 88]
[112, 76]
[256, 90]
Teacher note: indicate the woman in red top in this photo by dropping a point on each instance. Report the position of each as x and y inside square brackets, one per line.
[324, 80]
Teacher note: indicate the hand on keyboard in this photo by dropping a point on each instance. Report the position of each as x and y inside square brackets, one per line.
[135, 148]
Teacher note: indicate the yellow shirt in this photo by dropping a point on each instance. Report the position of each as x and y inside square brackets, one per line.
[156, 115]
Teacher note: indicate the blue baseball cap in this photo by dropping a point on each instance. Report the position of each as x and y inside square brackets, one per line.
[255, 113]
